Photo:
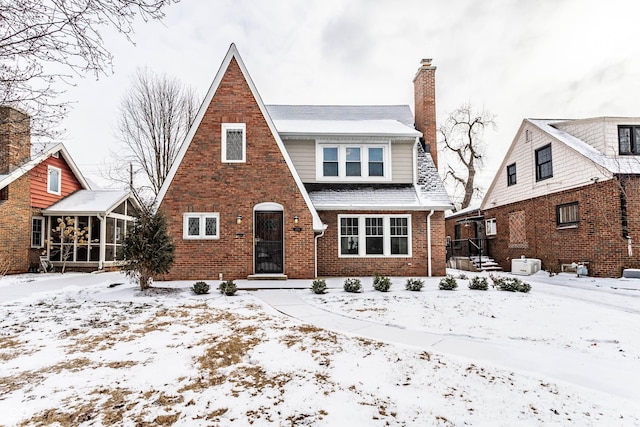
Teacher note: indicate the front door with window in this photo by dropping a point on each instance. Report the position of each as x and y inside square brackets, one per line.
[268, 243]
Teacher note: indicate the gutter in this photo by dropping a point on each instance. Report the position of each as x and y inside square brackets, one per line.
[315, 250]
[429, 243]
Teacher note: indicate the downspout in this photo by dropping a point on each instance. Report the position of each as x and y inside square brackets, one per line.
[429, 242]
[103, 236]
[315, 252]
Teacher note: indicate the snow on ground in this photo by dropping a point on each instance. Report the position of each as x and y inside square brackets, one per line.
[74, 351]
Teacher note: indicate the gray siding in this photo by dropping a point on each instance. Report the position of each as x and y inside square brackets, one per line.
[303, 156]
[402, 162]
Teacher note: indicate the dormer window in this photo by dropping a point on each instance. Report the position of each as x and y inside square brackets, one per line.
[348, 162]
[629, 140]
[53, 180]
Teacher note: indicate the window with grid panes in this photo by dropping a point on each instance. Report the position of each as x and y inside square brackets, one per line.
[349, 231]
[544, 167]
[399, 230]
[201, 225]
[233, 142]
[374, 233]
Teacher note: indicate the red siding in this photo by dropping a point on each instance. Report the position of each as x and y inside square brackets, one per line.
[40, 198]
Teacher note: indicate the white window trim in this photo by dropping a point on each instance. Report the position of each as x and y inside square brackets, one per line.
[487, 228]
[364, 161]
[234, 126]
[386, 238]
[43, 230]
[202, 218]
[59, 171]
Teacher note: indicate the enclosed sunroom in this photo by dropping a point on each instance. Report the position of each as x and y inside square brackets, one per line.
[102, 216]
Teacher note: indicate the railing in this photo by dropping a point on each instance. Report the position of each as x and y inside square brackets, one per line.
[465, 248]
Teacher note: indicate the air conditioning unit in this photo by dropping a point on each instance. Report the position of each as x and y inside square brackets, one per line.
[525, 266]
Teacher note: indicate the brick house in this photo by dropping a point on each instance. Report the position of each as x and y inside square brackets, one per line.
[303, 191]
[36, 190]
[568, 191]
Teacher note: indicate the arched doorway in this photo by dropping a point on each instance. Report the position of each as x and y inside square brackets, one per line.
[268, 237]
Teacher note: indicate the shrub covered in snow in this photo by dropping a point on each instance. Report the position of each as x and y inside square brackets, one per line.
[414, 284]
[228, 288]
[510, 284]
[479, 283]
[448, 283]
[352, 285]
[319, 286]
[200, 288]
[381, 283]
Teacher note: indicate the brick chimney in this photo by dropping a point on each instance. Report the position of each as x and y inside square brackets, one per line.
[424, 89]
[15, 139]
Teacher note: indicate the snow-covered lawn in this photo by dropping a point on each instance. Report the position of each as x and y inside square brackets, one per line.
[90, 354]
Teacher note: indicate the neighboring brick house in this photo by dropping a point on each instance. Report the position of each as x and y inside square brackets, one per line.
[37, 190]
[568, 191]
[305, 191]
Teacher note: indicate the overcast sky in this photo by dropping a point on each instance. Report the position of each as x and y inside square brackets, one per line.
[517, 59]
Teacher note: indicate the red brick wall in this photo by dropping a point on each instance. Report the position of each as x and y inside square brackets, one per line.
[597, 239]
[15, 227]
[330, 264]
[15, 139]
[203, 183]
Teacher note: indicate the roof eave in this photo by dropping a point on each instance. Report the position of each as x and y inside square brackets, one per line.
[411, 135]
[435, 207]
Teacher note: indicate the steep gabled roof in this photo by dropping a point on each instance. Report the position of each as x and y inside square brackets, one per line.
[606, 164]
[41, 157]
[234, 54]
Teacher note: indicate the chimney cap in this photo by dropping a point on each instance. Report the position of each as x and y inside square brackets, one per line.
[426, 62]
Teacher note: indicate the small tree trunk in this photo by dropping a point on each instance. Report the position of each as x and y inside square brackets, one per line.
[145, 282]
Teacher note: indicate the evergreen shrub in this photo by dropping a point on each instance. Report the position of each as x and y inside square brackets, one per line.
[511, 284]
[200, 288]
[352, 285]
[319, 286]
[228, 288]
[414, 284]
[381, 283]
[448, 283]
[479, 283]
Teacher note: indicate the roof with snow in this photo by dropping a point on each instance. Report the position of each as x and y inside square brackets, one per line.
[89, 202]
[428, 193]
[40, 157]
[371, 120]
[618, 164]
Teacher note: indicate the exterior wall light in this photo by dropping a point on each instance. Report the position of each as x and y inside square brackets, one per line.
[239, 219]
[296, 219]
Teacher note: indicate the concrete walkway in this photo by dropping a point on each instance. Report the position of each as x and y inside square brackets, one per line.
[616, 378]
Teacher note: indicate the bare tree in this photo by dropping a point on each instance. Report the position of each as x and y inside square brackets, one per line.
[462, 137]
[45, 43]
[155, 117]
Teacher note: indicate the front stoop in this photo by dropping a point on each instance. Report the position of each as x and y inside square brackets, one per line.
[267, 277]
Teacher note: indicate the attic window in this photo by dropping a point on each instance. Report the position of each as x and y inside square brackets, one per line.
[629, 140]
[234, 143]
[55, 155]
[53, 180]
[544, 165]
[511, 174]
